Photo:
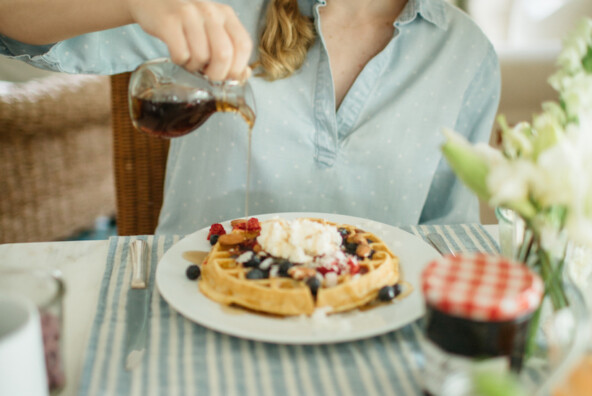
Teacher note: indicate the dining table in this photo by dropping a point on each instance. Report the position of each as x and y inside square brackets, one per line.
[183, 357]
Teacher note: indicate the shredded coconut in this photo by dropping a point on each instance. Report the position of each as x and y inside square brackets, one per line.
[300, 241]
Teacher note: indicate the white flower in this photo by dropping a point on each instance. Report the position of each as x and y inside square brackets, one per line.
[580, 268]
[579, 229]
[575, 46]
[560, 79]
[565, 179]
[554, 110]
[570, 58]
[577, 94]
[516, 141]
[510, 180]
[491, 155]
[552, 239]
[548, 129]
[558, 173]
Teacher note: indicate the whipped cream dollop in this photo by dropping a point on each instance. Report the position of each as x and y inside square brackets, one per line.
[300, 240]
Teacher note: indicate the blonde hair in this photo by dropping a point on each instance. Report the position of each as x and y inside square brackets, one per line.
[285, 40]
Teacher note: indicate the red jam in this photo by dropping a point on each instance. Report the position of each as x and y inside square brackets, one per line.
[478, 308]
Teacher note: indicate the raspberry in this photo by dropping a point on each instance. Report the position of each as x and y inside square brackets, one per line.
[216, 229]
[253, 225]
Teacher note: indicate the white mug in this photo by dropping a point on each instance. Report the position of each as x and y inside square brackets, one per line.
[22, 362]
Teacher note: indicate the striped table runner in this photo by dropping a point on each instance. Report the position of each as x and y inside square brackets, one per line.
[183, 358]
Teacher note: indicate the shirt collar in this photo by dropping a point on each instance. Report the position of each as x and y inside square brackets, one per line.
[431, 10]
[307, 5]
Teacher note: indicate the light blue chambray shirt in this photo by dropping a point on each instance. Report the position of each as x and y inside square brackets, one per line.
[378, 156]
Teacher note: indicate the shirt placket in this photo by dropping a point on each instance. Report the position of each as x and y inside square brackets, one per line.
[331, 126]
[324, 102]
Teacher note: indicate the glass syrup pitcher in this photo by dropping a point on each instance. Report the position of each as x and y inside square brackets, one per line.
[167, 101]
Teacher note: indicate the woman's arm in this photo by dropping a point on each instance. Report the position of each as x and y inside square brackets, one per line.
[200, 35]
[44, 22]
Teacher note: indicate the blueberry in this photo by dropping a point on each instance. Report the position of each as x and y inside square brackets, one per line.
[214, 239]
[313, 284]
[343, 232]
[193, 272]
[351, 247]
[398, 289]
[256, 273]
[253, 262]
[285, 265]
[387, 293]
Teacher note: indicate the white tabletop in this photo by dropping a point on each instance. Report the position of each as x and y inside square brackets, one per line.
[82, 264]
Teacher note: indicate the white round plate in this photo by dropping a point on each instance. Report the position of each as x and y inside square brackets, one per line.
[184, 295]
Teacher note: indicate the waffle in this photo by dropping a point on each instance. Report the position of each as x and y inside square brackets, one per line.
[224, 276]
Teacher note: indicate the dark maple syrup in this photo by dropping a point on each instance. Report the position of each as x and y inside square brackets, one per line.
[160, 112]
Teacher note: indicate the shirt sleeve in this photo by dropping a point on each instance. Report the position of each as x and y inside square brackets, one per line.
[110, 51]
[449, 201]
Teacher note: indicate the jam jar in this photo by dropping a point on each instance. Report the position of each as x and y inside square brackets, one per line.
[478, 310]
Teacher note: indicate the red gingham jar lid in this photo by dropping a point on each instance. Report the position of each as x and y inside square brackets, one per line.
[481, 287]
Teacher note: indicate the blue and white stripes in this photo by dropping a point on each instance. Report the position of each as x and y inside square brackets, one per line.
[183, 358]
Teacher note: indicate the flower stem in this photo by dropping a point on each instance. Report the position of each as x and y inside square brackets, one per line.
[552, 278]
[532, 330]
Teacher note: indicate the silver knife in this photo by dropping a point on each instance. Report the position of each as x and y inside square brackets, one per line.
[137, 306]
[440, 244]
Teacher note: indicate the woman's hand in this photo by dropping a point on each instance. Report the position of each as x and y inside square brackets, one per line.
[200, 35]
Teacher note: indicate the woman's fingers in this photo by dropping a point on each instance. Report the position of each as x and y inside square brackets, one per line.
[200, 35]
[222, 51]
[242, 45]
[173, 35]
[197, 41]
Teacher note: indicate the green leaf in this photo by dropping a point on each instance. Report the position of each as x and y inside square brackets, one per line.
[470, 168]
[549, 132]
[497, 384]
[587, 61]
[503, 123]
[524, 208]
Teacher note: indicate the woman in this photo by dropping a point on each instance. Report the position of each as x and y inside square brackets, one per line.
[351, 98]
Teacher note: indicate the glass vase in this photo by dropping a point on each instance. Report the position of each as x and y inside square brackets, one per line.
[560, 330]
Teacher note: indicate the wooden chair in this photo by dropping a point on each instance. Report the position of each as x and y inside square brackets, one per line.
[139, 166]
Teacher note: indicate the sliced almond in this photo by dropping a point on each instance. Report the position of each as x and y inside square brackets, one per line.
[234, 238]
[299, 273]
[359, 239]
[236, 222]
[363, 250]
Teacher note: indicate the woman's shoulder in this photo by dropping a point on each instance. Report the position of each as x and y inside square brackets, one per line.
[452, 34]
[459, 23]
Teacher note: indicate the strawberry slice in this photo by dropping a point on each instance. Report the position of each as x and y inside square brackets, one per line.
[325, 269]
[354, 267]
